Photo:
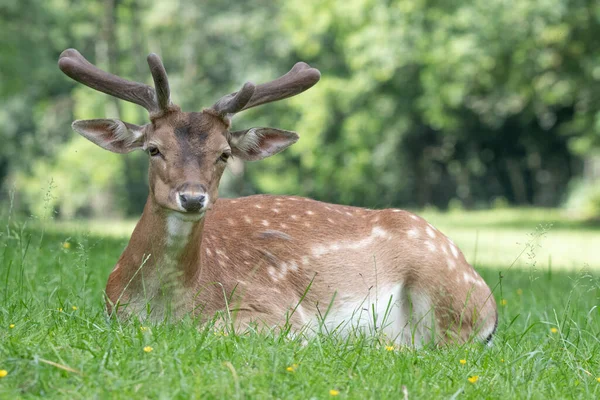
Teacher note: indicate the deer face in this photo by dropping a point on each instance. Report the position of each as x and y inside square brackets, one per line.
[188, 151]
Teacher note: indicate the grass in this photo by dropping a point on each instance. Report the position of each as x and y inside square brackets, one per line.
[62, 344]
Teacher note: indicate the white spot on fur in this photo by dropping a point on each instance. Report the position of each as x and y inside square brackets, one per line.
[309, 212]
[413, 233]
[330, 221]
[451, 263]
[230, 221]
[273, 272]
[294, 216]
[348, 214]
[414, 217]
[431, 246]
[454, 250]
[208, 252]
[275, 210]
[247, 219]
[396, 211]
[430, 232]
[257, 206]
[265, 222]
[305, 260]
[284, 226]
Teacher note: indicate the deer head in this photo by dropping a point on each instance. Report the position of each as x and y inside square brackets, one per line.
[188, 150]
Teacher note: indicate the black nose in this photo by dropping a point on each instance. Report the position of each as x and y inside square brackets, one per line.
[192, 201]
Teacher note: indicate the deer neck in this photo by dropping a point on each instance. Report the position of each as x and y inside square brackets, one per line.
[166, 243]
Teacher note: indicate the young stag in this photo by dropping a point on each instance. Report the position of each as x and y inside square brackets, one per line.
[270, 260]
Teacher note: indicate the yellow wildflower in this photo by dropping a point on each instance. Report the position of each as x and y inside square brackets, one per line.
[59, 309]
[598, 379]
[519, 292]
[389, 348]
[553, 330]
[463, 362]
[334, 392]
[11, 326]
[66, 245]
[3, 373]
[502, 360]
[148, 349]
[473, 378]
[292, 368]
[143, 328]
[74, 308]
[503, 302]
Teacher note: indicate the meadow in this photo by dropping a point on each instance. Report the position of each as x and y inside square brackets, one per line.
[57, 342]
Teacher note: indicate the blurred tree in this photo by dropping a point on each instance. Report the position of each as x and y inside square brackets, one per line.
[421, 102]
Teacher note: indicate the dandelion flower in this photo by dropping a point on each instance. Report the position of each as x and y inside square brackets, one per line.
[148, 349]
[598, 379]
[502, 360]
[334, 392]
[74, 308]
[143, 328]
[59, 309]
[389, 348]
[463, 362]
[3, 373]
[554, 330]
[66, 245]
[519, 292]
[473, 378]
[289, 369]
[11, 326]
[503, 302]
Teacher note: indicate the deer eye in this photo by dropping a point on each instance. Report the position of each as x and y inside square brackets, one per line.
[153, 151]
[224, 157]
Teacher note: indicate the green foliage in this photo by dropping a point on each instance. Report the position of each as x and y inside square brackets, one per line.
[420, 103]
[584, 199]
[79, 185]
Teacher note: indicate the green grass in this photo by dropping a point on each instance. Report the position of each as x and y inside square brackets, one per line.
[60, 352]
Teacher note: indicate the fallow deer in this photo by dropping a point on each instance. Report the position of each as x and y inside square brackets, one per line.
[270, 260]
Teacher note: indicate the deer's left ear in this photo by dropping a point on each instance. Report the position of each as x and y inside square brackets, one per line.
[257, 143]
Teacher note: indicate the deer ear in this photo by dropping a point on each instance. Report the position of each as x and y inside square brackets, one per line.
[111, 134]
[257, 143]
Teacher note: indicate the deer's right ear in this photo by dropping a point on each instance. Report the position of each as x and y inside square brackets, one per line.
[111, 134]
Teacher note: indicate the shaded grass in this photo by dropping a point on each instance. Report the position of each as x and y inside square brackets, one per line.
[55, 350]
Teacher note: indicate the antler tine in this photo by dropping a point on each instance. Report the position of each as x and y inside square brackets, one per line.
[72, 63]
[161, 82]
[235, 102]
[300, 78]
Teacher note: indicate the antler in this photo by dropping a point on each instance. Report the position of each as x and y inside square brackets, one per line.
[72, 63]
[300, 78]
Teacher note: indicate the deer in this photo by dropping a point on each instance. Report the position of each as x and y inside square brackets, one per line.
[270, 260]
